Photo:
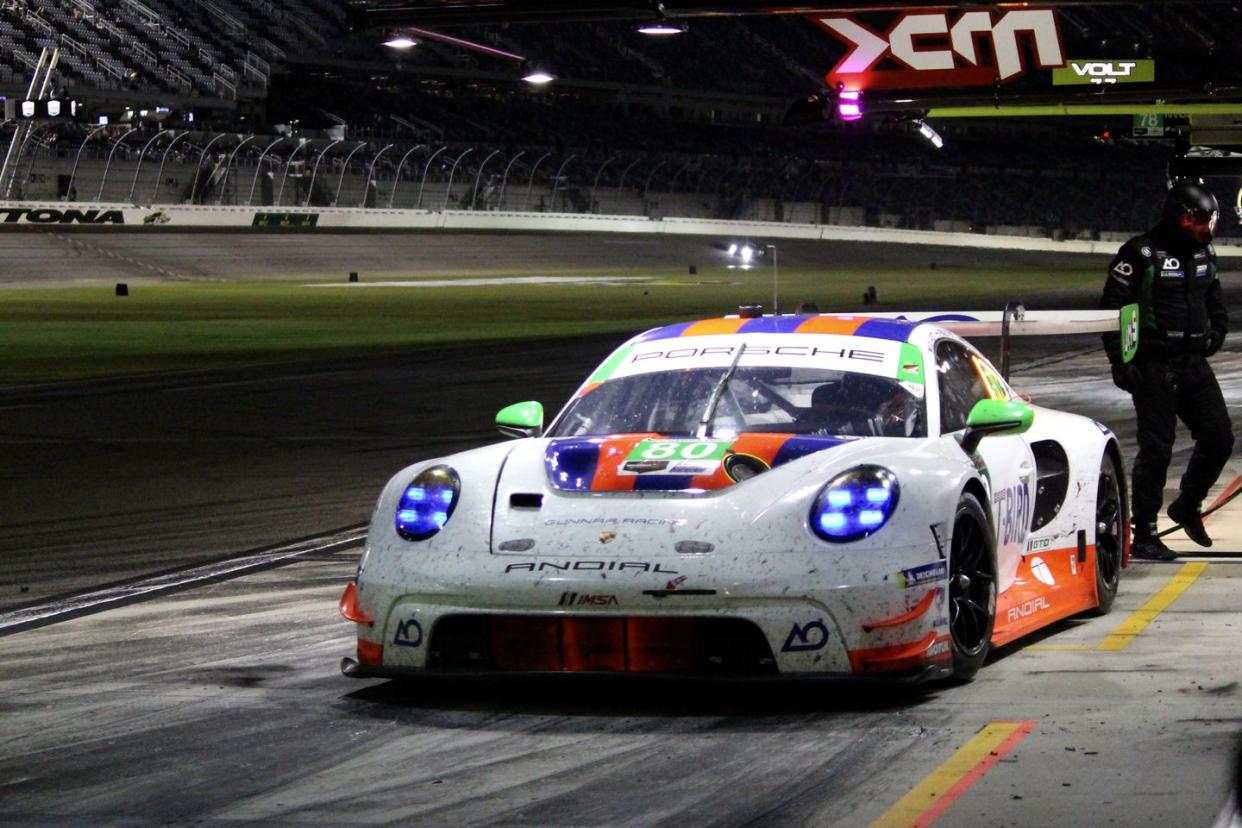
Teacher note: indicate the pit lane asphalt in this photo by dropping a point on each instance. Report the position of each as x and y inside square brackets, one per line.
[223, 704]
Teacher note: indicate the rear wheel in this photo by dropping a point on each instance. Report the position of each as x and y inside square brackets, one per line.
[1110, 523]
[972, 587]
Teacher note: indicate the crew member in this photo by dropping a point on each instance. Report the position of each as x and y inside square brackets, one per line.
[1170, 271]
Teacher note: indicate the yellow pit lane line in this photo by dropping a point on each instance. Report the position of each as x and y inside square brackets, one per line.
[1121, 637]
[1129, 629]
[928, 800]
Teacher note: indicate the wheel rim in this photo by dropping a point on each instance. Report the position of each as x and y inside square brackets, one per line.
[970, 586]
[1108, 530]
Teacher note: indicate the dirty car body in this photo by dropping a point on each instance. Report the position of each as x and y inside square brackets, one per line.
[793, 495]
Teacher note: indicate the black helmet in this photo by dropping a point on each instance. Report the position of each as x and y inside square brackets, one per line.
[1191, 210]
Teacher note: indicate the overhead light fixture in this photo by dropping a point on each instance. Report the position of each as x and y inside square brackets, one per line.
[849, 104]
[661, 27]
[925, 129]
[538, 77]
[400, 42]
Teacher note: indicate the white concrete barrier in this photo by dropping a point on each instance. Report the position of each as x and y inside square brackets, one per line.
[157, 217]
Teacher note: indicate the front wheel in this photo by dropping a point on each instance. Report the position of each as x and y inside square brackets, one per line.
[1110, 523]
[972, 587]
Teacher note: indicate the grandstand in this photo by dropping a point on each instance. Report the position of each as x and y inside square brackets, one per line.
[290, 109]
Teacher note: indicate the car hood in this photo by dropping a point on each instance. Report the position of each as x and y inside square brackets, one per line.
[569, 497]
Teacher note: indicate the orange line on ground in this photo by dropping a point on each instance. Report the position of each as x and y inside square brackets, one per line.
[976, 773]
[1229, 490]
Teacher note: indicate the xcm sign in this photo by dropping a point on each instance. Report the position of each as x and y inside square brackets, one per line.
[929, 50]
[1105, 72]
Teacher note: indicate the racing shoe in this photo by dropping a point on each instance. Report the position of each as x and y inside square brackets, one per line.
[1188, 517]
[1148, 547]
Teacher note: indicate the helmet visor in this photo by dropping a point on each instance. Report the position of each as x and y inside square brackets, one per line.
[1200, 224]
[1204, 219]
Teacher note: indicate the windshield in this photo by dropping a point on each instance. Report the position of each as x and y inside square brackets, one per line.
[755, 399]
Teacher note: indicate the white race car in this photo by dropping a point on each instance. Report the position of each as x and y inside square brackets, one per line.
[795, 495]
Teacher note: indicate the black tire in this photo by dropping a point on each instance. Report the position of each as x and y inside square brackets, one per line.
[972, 587]
[1111, 518]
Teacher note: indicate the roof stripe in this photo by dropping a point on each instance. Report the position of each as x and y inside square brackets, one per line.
[666, 332]
[707, 327]
[772, 324]
[886, 329]
[892, 329]
[844, 325]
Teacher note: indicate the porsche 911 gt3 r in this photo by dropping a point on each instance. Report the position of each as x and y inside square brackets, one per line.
[794, 495]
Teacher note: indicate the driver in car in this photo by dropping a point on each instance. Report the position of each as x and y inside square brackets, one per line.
[859, 405]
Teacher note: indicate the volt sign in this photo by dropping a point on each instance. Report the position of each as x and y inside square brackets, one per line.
[1105, 72]
[925, 49]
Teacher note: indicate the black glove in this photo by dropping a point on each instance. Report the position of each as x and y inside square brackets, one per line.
[1126, 376]
[1212, 340]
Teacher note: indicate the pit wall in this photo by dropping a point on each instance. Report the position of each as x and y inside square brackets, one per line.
[157, 217]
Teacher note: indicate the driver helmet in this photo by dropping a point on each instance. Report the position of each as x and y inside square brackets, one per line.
[1190, 210]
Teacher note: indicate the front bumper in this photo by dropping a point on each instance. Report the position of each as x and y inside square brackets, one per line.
[691, 618]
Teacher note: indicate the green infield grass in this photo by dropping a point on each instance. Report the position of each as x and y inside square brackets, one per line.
[60, 334]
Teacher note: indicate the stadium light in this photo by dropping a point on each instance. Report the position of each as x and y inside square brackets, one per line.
[925, 129]
[400, 42]
[538, 77]
[849, 104]
[661, 28]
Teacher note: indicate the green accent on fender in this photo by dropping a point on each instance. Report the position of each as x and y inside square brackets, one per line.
[910, 364]
[1129, 332]
[521, 419]
[1001, 416]
[605, 371]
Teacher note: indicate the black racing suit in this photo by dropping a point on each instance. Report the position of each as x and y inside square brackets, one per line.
[1182, 320]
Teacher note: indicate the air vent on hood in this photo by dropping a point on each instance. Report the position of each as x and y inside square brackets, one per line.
[523, 500]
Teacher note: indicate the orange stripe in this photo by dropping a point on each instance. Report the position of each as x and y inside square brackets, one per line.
[612, 453]
[1072, 593]
[906, 617]
[946, 800]
[1229, 490]
[714, 326]
[763, 447]
[845, 325]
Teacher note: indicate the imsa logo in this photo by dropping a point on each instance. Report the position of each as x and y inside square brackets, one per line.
[574, 599]
[51, 215]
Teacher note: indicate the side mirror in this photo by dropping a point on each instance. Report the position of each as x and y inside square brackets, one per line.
[524, 419]
[995, 417]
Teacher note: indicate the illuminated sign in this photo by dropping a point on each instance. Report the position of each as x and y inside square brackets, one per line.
[1104, 71]
[926, 49]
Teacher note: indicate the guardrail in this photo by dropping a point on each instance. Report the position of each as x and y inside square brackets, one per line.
[158, 217]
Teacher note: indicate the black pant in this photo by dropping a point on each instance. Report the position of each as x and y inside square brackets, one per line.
[1184, 387]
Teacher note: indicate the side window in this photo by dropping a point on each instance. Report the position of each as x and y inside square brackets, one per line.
[960, 385]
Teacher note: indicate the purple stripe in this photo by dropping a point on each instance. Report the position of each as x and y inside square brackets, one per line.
[886, 329]
[663, 482]
[667, 332]
[571, 464]
[801, 446]
[772, 324]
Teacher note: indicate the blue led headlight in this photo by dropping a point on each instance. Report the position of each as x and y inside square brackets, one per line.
[427, 503]
[855, 504]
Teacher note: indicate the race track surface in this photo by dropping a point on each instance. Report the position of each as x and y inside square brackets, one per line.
[36, 257]
[220, 702]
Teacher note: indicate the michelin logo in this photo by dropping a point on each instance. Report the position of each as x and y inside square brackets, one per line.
[926, 574]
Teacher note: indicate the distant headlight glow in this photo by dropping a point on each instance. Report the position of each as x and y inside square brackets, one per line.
[855, 504]
[427, 503]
